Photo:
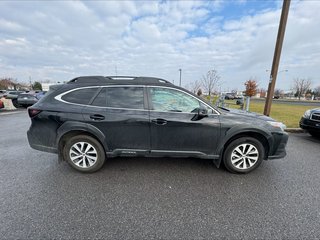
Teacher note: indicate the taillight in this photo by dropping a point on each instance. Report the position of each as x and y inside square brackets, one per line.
[33, 112]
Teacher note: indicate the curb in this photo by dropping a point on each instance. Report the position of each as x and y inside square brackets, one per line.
[294, 130]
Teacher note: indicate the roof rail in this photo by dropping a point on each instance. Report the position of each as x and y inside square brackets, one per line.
[121, 77]
[101, 79]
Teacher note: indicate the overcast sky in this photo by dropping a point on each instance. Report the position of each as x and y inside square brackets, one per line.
[60, 40]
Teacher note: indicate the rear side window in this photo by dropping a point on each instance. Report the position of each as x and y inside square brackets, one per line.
[81, 96]
[120, 97]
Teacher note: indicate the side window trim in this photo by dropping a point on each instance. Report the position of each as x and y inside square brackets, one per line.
[147, 105]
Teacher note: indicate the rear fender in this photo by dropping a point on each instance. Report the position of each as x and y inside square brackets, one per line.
[72, 126]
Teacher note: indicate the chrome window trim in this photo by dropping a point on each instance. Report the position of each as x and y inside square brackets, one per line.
[59, 98]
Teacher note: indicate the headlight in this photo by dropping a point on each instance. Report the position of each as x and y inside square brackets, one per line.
[277, 124]
[307, 114]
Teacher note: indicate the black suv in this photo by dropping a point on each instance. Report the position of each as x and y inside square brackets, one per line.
[310, 121]
[90, 119]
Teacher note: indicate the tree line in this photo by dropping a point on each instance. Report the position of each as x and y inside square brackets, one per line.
[12, 84]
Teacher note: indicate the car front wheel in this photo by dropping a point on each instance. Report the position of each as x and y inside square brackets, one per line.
[315, 134]
[84, 153]
[243, 155]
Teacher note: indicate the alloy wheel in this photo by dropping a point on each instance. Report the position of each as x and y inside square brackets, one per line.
[83, 154]
[244, 156]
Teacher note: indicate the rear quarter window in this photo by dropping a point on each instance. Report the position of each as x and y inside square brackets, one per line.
[80, 96]
[120, 97]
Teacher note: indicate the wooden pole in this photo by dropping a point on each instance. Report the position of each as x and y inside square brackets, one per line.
[276, 57]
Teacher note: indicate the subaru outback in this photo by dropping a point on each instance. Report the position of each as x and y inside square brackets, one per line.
[90, 119]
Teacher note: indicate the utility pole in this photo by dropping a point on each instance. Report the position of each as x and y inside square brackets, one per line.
[31, 88]
[180, 70]
[276, 57]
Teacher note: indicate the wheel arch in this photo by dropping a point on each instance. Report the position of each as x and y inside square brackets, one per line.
[70, 129]
[263, 137]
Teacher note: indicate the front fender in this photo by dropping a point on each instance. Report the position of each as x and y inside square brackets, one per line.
[242, 130]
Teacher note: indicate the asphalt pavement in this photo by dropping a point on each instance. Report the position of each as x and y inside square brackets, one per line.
[144, 198]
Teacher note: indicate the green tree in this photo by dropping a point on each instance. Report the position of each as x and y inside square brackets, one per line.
[37, 86]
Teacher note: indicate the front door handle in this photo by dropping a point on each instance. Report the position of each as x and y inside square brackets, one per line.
[159, 121]
[97, 117]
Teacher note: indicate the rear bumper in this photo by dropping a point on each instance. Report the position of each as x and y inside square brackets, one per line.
[40, 143]
[279, 145]
[43, 148]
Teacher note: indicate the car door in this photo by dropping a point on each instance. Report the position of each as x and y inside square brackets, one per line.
[174, 129]
[120, 113]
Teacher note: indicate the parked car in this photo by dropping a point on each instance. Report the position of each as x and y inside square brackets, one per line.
[2, 92]
[310, 121]
[13, 95]
[90, 119]
[229, 96]
[27, 99]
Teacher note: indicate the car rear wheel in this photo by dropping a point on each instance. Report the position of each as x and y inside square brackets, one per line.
[243, 155]
[84, 153]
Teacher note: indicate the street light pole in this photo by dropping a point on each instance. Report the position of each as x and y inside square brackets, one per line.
[180, 70]
[276, 57]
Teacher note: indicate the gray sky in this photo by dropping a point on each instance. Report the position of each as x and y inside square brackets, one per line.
[60, 40]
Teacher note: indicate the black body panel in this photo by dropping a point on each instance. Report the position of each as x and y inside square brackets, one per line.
[145, 131]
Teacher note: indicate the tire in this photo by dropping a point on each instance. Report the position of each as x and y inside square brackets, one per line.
[315, 134]
[84, 153]
[236, 158]
[15, 103]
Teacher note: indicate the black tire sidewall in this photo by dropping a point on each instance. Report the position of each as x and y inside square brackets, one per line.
[227, 154]
[85, 138]
[315, 134]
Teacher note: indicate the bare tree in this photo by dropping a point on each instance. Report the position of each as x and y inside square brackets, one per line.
[195, 86]
[317, 91]
[263, 92]
[301, 85]
[210, 81]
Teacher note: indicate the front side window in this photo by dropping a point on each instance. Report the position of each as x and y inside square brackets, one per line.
[170, 100]
[80, 96]
[120, 97]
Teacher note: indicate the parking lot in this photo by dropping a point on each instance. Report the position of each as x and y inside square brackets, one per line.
[166, 198]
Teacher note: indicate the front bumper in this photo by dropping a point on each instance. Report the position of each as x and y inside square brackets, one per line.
[309, 124]
[278, 149]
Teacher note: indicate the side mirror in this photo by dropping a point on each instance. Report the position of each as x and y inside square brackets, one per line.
[199, 114]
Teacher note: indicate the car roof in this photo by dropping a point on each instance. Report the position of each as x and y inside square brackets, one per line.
[112, 80]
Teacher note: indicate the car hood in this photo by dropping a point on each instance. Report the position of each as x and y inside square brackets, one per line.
[315, 110]
[245, 114]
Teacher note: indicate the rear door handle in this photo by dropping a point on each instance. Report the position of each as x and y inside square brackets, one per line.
[159, 121]
[97, 117]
